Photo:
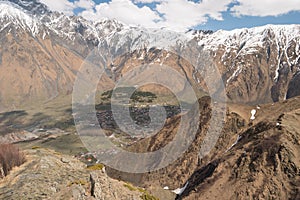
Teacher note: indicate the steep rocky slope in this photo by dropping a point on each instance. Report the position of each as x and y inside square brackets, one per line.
[50, 175]
[33, 68]
[35, 71]
[259, 64]
[47, 48]
[41, 52]
[263, 164]
[255, 159]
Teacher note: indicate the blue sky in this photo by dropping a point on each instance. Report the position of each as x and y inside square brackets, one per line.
[181, 15]
[230, 22]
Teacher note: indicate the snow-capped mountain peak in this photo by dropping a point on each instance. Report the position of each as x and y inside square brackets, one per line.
[12, 14]
[249, 36]
[32, 6]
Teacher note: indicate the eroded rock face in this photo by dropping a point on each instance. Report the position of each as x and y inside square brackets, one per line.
[263, 163]
[257, 64]
[40, 55]
[34, 70]
[50, 175]
[293, 88]
[252, 158]
[102, 188]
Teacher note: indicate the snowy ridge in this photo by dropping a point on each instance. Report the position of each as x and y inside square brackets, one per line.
[247, 39]
[35, 17]
[11, 14]
[252, 41]
[129, 39]
[33, 6]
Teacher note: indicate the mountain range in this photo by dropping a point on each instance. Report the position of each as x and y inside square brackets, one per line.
[42, 51]
[256, 70]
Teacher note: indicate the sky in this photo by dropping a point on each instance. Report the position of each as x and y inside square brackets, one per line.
[181, 15]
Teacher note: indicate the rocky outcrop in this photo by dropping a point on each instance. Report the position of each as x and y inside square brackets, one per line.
[50, 175]
[262, 164]
[103, 187]
[254, 159]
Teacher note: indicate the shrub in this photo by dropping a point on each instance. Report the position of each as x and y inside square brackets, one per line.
[96, 167]
[78, 182]
[144, 196]
[130, 187]
[10, 156]
[147, 196]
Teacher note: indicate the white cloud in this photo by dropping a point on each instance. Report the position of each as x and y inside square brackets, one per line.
[60, 5]
[214, 9]
[124, 11]
[68, 7]
[174, 14]
[148, 1]
[180, 14]
[183, 14]
[265, 7]
[86, 4]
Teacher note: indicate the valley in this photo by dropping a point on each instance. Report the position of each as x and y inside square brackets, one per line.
[105, 110]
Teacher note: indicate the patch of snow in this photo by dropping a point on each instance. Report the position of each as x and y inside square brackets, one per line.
[140, 38]
[253, 112]
[142, 56]
[179, 191]
[237, 140]
[112, 136]
[44, 35]
[4, 26]
[235, 74]
[166, 188]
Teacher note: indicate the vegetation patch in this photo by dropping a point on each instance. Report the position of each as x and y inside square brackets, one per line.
[96, 167]
[78, 182]
[122, 92]
[66, 124]
[144, 196]
[130, 187]
[35, 147]
[147, 196]
[10, 156]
